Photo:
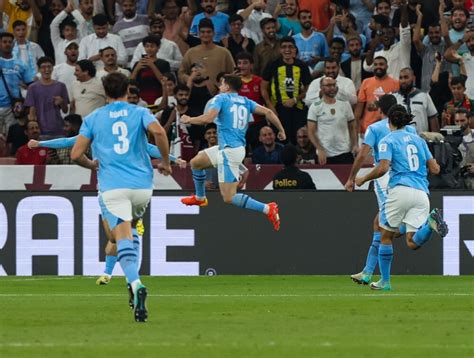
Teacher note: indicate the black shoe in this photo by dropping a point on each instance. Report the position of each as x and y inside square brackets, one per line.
[130, 296]
[141, 314]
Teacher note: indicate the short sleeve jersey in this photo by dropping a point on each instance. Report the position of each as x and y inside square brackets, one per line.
[235, 113]
[118, 132]
[408, 154]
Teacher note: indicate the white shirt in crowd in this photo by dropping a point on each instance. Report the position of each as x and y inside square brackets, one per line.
[102, 73]
[60, 43]
[398, 55]
[65, 73]
[333, 127]
[421, 106]
[168, 51]
[469, 65]
[91, 45]
[346, 91]
[251, 27]
[88, 96]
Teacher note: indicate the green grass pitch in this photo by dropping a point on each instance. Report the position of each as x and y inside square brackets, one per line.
[238, 316]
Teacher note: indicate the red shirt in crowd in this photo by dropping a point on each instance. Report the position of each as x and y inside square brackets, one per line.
[251, 90]
[35, 156]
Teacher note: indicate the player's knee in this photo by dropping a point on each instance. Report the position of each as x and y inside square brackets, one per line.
[411, 244]
[227, 199]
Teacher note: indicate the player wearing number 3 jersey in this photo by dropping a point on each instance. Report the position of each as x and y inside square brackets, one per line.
[231, 113]
[118, 133]
[407, 156]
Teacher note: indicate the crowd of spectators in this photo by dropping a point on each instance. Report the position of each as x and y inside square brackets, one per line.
[319, 65]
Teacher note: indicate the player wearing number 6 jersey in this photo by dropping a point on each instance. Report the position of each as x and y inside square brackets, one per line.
[231, 113]
[407, 156]
[118, 133]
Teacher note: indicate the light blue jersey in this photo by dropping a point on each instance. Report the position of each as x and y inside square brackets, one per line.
[315, 45]
[235, 112]
[408, 154]
[14, 72]
[376, 132]
[119, 143]
[152, 150]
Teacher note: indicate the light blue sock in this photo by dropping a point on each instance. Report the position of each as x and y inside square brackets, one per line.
[128, 259]
[246, 202]
[136, 241]
[110, 264]
[403, 229]
[199, 179]
[373, 254]
[423, 235]
[385, 261]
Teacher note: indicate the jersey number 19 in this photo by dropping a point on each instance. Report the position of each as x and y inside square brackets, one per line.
[240, 114]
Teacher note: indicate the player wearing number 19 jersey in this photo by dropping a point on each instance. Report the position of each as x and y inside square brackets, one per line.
[118, 133]
[407, 156]
[231, 113]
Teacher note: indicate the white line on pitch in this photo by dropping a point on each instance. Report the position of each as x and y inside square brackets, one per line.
[243, 295]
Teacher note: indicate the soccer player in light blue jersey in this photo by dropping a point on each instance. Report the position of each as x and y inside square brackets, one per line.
[407, 156]
[137, 228]
[231, 113]
[373, 135]
[118, 133]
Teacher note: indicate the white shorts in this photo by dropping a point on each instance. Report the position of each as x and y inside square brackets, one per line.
[404, 205]
[121, 205]
[380, 188]
[227, 162]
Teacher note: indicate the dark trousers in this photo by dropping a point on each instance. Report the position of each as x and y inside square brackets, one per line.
[345, 158]
[292, 119]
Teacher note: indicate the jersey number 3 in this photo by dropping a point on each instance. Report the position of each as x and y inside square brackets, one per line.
[120, 129]
[240, 114]
[413, 160]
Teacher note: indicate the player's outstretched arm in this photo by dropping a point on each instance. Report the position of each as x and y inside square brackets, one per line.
[54, 143]
[203, 119]
[375, 173]
[360, 159]
[273, 119]
[154, 152]
[78, 153]
[162, 143]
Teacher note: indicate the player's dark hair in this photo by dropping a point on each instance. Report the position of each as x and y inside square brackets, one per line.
[386, 102]
[233, 82]
[235, 17]
[87, 65]
[181, 87]
[289, 155]
[151, 39]
[17, 23]
[458, 80]
[244, 55]
[115, 85]
[220, 75]
[398, 116]
[100, 20]
[74, 119]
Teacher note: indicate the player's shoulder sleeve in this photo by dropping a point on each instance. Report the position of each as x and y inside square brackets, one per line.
[370, 137]
[146, 116]
[411, 130]
[87, 126]
[385, 149]
[216, 102]
[252, 105]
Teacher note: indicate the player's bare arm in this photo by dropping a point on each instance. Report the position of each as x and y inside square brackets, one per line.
[162, 143]
[273, 119]
[360, 159]
[78, 153]
[203, 119]
[375, 173]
